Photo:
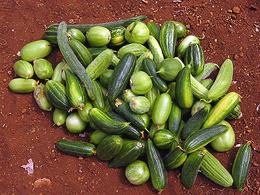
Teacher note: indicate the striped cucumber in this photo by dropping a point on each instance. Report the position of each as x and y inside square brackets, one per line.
[184, 94]
[184, 44]
[154, 30]
[133, 48]
[174, 118]
[236, 113]
[164, 138]
[175, 158]
[156, 50]
[99, 101]
[100, 64]
[207, 83]
[191, 168]
[156, 167]
[151, 96]
[208, 69]
[222, 109]
[241, 165]
[139, 61]
[105, 123]
[223, 81]
[168, 38]
[202, 137]
[198, 90]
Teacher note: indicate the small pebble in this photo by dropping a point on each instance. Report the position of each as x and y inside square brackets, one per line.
[236, 10]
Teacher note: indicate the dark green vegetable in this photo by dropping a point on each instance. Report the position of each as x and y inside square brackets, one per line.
[99, 101]
[154, 30]
[76, 34]
[235, 113]
[97, 136]
[181, 29]
[241, 165]
[84, 112]
[156, 167]
[76, 148]
[174, 118]
[105, 78]
[175, 158]
[163, 138]
[131, 150]
[109, 147]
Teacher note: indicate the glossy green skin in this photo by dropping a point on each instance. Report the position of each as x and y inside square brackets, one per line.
[181, 29]
[208, 69]
[41, 99]
[172, 89]
[162, 109]
[140, 83]
[43, 68]
[241, 165]
[84, 112]
[194, 56]
[168, 38]
[128, 95]
[207, 83]
[81, 51]
[98, 36]
[156, 167]
[133, 48]
[184, 94]
[170, 67]
[74, 124]
[149, 68]
[131, 150]
[105, 77]
[76, 148]
[175, 159]
[195, 122]
[191, 168]
[163, 139]
[75, 91]
[137, 173]
[184, 44]
[121, 76]
[236, 113]
[175, 118]
[137, 32]
[59, 117]
[21, 85]
[99, 101]
[117, 37]
[154, 30]
[151, 96]
[56, 95]
[215, 171]
[156, 50]
[23, 69]
[225, 141]
[35, 50]
[222, 109]
[97, 136]
[197, 106]
[57, 72]
[139, 61]
[109, 147]
[223, 81]
[146, 119]
[74, 33]
[139, 104]
[202, 137]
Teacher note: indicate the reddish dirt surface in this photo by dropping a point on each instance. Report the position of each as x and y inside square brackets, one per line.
[27, 132]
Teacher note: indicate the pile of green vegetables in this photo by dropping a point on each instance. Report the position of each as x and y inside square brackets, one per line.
[145, 92]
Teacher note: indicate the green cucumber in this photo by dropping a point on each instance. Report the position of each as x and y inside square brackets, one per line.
[75, 91]
[131, 150]
[59, 117]
[51, 32]
[235, 113]
[95, 51]
[208, 69]
[184, 94]
[181, 29]
[191, 168]
[197, 106]
[100, 64]
[202, 137]
[97, 136]
[57, 72]
[72, 59]
[175, 158]
[207, 83]
[76, 148]
[195, 122]
[223, 81]
[149, 68]
[156, 50]
[121, 76]
[139, 61]
[80, 51]
[154, 30]
[41, 99]
[23, 69]
[151, 96]
[156, 167]
[105, 77]
[168, 38]
[99, 101]
[133, 48]
[222, 109]
[198, 90]
[184, 44]
[164, 138]
[105, 123]
[74, 33]
[172, 90]
[215, 171]
[241, 165]
[194, 56]
[109, 147]
[84, 112]
[117, 37]
[162, 109]
[174, 120]
[56, 95]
